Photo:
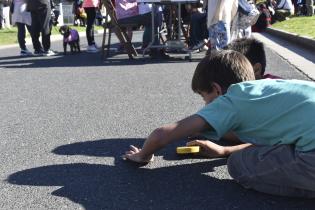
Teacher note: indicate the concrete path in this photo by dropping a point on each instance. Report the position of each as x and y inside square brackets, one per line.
[301, 58]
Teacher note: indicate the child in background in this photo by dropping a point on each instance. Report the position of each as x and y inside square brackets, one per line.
[255, 52]
[79, 13]
[278, 150]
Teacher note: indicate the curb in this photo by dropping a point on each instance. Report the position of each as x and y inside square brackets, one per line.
[303, 41]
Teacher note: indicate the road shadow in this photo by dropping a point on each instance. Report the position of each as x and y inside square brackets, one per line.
[124, 185]
[82, 59]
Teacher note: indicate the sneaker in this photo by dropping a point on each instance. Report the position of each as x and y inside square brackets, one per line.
[158, 54]
[198, 46]
[25, 52]
[203, 48]
[49, 53]
[39, 52]
[92, 49]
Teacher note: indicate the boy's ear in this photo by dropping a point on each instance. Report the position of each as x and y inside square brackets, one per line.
[217, 88]
[257, 70]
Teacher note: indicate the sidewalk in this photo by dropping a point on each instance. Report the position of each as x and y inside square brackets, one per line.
[304, 41]
[296, 50]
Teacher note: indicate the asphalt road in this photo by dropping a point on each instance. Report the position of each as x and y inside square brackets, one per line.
[66, 121]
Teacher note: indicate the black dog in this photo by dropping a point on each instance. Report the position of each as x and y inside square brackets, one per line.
[71, 37]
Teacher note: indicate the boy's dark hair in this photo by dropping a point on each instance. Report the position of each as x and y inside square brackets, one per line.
[224, 67]
[253, 50]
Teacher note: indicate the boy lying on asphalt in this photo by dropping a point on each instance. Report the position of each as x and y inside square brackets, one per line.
[274, 119]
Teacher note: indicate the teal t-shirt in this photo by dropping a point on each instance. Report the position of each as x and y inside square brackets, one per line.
[266, 112]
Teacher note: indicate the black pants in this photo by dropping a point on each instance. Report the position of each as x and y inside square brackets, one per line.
[21, 34]
[91, 14]
[41, 24]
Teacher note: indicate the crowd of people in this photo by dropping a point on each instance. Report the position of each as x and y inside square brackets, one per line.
[38, 17]
[212, 24]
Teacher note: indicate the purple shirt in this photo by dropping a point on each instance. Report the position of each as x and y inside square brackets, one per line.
[73, 36]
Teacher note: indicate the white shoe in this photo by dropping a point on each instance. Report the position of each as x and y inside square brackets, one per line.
[49, 53]
[25, 52]
[92, 49]
[203, 48]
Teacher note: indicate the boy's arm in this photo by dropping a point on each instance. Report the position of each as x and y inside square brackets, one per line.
[167, 134]
[213, 150]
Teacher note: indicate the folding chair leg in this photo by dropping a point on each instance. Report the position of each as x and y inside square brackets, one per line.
[109, 39]
[129, 45]
[103, 44]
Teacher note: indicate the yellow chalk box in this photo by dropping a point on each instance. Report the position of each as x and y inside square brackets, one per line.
[187, 150]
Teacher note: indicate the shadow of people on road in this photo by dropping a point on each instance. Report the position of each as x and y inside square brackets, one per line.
[82, 59]
[124, 185]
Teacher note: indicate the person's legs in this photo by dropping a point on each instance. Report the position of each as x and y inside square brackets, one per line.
[45, 27]
[144, 20]
[278, 170]
[1, 15]
[196, 28]
[91, 13]
[21, 35]
[281, 14]
[219, 35]
[35, 31]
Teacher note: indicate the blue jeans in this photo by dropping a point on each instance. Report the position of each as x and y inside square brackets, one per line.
[198, 28]
[146, 21]
[219, 35]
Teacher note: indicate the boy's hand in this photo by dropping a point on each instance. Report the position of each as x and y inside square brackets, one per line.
[134, 154]
[208, 148]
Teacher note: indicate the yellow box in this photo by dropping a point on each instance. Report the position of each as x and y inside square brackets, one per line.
[187, 150]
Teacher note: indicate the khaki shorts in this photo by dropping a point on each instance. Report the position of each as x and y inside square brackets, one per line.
[278, 170]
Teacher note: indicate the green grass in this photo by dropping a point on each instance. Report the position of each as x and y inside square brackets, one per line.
[304, 26]
[9, 36]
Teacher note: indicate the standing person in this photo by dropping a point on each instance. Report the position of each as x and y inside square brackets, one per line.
[41, 25]
[198, 30]
[221, 13]
[1, 13]
[79, 13]
[22, 19]
[90, 7]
